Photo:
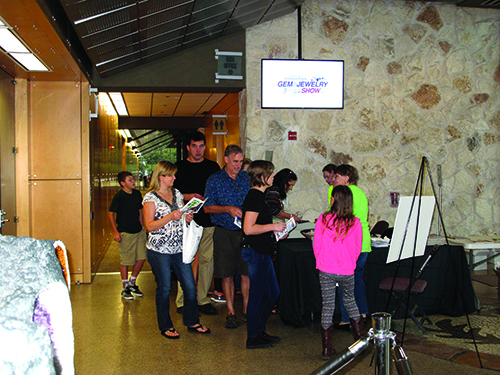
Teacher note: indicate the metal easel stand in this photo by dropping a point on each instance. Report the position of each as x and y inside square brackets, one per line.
[385, 344]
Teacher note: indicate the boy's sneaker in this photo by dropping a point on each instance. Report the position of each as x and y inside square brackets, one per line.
[135, 290]
[218, 297]
[126, 293]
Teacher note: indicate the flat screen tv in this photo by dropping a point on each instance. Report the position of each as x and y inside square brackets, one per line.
[302, 84]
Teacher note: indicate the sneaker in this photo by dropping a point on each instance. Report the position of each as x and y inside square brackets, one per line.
[207, 309]
[272, 339]
[218, 297]
[231, 322]
[258, 343]
[135, 290]
[126, 294]
[244, 317]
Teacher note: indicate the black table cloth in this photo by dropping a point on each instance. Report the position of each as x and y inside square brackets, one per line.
[298, 279]
[449, 287]
[449, 290]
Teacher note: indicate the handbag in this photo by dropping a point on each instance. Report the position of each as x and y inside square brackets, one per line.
[191, 236]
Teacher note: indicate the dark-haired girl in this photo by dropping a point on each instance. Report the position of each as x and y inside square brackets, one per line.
[337, 245]
[283, 182]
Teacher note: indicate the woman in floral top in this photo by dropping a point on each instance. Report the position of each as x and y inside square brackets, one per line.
[162, 218]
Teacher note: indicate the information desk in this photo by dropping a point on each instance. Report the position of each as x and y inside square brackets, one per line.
[449, 290]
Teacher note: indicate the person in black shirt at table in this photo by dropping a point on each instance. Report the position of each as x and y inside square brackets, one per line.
[257, 249]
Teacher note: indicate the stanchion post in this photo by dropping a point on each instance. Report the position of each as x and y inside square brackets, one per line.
[382, 337]
[385, 344]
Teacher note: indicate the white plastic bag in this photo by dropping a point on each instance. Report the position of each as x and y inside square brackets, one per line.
[191, 236]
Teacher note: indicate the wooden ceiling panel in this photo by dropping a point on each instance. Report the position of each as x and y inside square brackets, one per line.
[190, 104]
[148, 104]
[164, 104]
[210, 103]
[138, 103]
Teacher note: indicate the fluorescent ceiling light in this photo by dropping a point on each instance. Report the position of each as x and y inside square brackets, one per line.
[132, 144]
[13, 45]
[117, 99]
[127, 132]
[10, 43]
[29, 61]
[122, 133]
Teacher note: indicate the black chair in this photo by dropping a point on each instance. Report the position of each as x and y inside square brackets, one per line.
[379, 228]
[398, 292]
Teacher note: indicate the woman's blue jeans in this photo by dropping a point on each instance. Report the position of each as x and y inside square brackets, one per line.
[359, 289]
[264, 290]
[161, 265]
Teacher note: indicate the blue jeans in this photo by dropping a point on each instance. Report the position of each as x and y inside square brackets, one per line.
[359, 289]
[161, 265]
[264, 290]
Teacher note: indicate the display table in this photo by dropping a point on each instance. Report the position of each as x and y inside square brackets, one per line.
[449, 287]
[298, 279]
[449, 290]
[478, 243]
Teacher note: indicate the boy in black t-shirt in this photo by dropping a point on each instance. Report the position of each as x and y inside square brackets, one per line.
[128, 232]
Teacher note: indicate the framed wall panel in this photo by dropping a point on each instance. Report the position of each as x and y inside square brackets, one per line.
[56, 208]
[55, 131]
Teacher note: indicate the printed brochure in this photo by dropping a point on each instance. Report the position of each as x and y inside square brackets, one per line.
[290, 225]
[237, 221]
[193, 205]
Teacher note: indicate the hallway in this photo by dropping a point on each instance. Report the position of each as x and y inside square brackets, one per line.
[115, 336]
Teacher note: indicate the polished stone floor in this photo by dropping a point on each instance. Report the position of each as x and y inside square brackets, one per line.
[116, 336]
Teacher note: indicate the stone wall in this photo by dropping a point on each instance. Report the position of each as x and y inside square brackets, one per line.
[421, 79]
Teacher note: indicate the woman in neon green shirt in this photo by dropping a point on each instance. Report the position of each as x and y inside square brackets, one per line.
[346, 174]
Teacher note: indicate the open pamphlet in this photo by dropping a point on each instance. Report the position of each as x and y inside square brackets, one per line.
[290, 225]
[193, 205]
[237, 221]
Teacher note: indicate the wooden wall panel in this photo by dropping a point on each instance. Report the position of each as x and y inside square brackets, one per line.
[22, 157]
[106, 162]
[55, 132]
[56, 207]
[85, 181]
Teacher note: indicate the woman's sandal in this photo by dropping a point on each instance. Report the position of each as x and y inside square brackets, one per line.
[174, 335]
[198, 328]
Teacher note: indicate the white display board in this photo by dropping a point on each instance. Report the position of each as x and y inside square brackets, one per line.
[426, 204]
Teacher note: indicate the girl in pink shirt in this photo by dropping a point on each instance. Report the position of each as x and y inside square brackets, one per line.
[337, 245]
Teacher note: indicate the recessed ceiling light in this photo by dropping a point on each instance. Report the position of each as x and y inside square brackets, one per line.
[14, 46]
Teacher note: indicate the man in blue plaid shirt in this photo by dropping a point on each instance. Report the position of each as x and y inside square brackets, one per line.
[226, 190]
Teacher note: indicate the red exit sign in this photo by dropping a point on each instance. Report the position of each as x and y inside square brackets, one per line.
[292, 136]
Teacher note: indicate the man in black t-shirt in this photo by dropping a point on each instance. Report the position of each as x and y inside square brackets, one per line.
[190, 180]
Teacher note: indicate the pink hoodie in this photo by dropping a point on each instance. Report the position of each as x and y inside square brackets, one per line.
[337, 256]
